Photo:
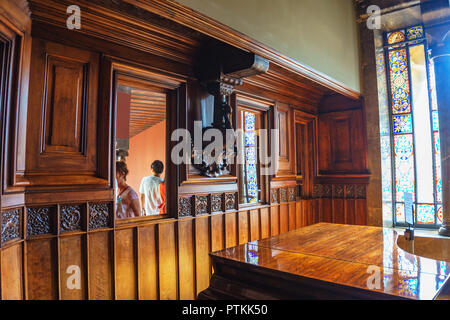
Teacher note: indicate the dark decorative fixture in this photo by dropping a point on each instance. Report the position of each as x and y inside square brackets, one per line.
[223, 68]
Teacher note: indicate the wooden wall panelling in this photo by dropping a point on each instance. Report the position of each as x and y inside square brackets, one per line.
[41, 269]
[101, 265]
[231, 233]
[274, 220]
[284, 217]
[255, 228]
[299, 214]
[186, 257]
[265, 222]
[63, 87]
[125, 267]
[292, 212]
[168, 262]
[217, 232]
[202, 249]
[11, 272]
[148, 265]
[243, 227]
[286, 154]
[72, 264]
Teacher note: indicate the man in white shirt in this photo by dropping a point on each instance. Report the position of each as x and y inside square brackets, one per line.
[152, 191]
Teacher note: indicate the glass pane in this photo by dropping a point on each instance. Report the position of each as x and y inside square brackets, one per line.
[440, 218]
[250, 155]
[396, 37]
[414, 33]
[437, 159]
[422, 125]
[402, 124]
[249, 121]
[387, 168]
[250, 139]
[425, 213]
[252, 182]
[400, 213]
[399, 82]
[435, 121]
[404, 165]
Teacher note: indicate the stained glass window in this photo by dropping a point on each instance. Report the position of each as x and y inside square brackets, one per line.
[414, 133]
[249, 171]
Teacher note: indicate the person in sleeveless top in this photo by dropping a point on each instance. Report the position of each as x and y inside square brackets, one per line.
[152, 190]
[127, 204]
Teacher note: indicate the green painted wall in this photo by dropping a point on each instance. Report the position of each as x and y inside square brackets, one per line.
[321, 34]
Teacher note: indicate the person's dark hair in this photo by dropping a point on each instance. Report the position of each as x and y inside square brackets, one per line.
[158, 166]
[121, 167]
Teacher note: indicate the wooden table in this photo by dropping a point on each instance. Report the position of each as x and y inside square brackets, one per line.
[326, 261]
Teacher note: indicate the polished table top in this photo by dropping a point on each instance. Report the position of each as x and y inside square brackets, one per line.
[347, 255]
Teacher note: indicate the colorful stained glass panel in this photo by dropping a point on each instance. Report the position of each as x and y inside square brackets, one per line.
[402, 123]
[396, 37]
[250, 156]
[399, 82]
[404, 166]
[425, 213]
[400, 213]
[249, 121]
[435, 121]
[250, 138]
[437, 159]
[414, 33]
[440, 217]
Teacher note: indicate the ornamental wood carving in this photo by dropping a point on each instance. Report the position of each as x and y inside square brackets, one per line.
[10, 225]
[99, 215]
[338, 191]
[292, 196]
[39, 220]
[273, 195]
[201, 204]
[216, 202]
[230, 201]
[70, 216]
[184, 206]
[283, 195]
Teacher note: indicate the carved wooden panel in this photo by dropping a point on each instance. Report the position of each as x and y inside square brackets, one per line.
[283, 195]
[70, 217]
[201, 204]
[100, 215]
[338, 191]
[341, 142]
[11, 225]
[216, 202]
[350, 191]
[230, 201]
[291, 192]
[286, 154]
[273, 195]
[62, 116]
[40, 220]
[184, 206]
[360, 191]
[65, 105]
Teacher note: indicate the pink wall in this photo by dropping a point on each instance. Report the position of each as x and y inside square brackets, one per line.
[146, 147]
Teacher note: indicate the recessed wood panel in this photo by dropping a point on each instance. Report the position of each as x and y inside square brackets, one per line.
[230, 230]
[243, 227]
[125, 265]
[292, 224]
[41, 265]
[361, 212]
[11, 272]
[286, 153]
[298, 214]
[148, 263]
[217, 233]
[186, 254]
[338, 211]
[274, 220]
[265, 226]
[65, 105]
[284, 218]
[350, 216]
[203, 269]
[167, 261]
[100, 266]
[72, 267]
[254, 225]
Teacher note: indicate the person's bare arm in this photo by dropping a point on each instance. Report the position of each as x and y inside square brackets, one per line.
[142, 200]
[136, 207]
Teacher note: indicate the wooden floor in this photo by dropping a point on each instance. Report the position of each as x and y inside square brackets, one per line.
[326, 261]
